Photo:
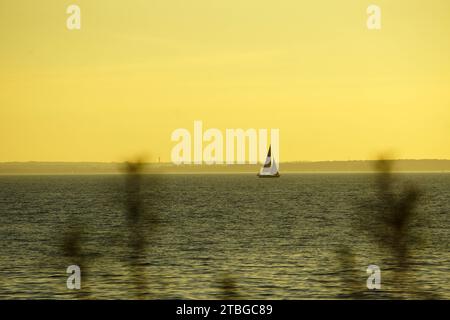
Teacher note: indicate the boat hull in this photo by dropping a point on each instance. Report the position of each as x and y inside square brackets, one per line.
[277, 175]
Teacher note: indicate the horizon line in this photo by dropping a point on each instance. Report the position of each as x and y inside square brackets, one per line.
[246, 163]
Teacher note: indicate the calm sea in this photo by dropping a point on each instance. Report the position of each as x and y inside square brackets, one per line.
[301, 236]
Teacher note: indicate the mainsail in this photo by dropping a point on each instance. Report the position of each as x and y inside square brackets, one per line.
[269, 168]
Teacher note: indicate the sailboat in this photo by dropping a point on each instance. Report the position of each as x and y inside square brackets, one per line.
[269, 169]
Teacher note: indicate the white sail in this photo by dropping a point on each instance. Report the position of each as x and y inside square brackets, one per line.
[273, 168]
[267, 162]
[269, 168]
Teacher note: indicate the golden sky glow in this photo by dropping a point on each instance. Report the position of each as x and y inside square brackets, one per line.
[139, 69]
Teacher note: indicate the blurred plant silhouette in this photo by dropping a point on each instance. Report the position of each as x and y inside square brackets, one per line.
[351, 284]
[73, 250]
[228, 287]
[393, 213]
[137, 227]
[387, 218]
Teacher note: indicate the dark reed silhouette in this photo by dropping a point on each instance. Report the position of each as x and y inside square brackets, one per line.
[393, 213]
[351, 282]
[135, 213]
[228, 287]
[387, 219]
[72, 248]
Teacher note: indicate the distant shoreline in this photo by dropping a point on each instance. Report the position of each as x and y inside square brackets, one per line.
[354, 166]
[219, 173]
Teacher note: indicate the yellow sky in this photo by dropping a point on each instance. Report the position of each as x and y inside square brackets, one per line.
[137, 70]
